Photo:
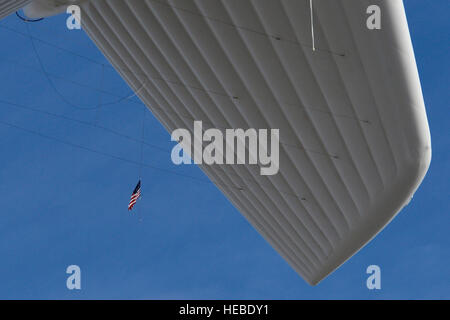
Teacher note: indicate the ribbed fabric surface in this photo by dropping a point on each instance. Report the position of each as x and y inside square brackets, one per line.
[9, 6]
[354, 136]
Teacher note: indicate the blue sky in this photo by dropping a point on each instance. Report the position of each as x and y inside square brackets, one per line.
[63, 205]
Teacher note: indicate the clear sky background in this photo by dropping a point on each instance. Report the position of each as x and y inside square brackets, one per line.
[63, 205]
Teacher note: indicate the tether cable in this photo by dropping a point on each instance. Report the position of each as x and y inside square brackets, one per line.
[61, 96]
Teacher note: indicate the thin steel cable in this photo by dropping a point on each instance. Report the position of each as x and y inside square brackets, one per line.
[139, 212]
[126, 70]
[97, 114]
[86, 123]
[146, 165]
[75, 145]
[142, 142]
[315, 109]
[243, 28]
[68, 80]
[286, 144]
[290, 145]
[61, 96]
[142, 139]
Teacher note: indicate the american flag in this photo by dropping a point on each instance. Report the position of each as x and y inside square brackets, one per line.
[135, 195]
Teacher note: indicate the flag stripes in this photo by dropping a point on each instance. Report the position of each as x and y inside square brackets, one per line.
[135, 195]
